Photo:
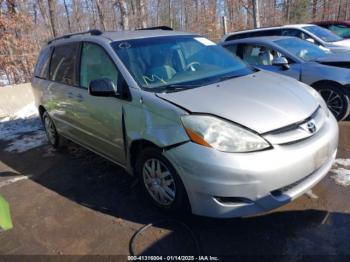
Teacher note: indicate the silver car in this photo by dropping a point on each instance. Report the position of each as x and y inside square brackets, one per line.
[318, 67]
[312, 33]
[198, 127]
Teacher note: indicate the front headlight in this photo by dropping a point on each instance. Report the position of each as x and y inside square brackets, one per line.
[222, 135]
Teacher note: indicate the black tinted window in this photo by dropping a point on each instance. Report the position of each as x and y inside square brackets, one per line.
[63, 64]
[266, 33]
[42, 65]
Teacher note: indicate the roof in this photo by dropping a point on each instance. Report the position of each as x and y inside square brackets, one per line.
[124, 35]
[266, 39]
[272, 27]
[119, 35]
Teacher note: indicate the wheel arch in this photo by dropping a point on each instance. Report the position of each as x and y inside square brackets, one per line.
[319, 83]
[136, 147]
[42, 110]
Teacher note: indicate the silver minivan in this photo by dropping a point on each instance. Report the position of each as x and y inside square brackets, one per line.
[200, 128]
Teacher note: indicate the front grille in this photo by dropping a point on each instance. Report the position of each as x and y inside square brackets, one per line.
[296, 132]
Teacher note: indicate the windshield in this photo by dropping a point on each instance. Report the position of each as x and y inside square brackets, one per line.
[303, 49]
[323, 33]
[161, 63]
[340, 30]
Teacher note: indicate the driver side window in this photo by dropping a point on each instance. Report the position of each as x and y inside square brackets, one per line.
[259, 55]
[95, 64]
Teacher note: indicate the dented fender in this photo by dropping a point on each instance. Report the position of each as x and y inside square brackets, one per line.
[155, 120]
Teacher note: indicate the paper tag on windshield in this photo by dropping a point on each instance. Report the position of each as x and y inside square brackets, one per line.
[204, 41]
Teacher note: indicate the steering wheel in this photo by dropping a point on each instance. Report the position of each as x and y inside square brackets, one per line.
[191, 66]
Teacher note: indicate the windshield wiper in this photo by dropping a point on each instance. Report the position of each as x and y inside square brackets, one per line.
[227, 77]
[178, 87]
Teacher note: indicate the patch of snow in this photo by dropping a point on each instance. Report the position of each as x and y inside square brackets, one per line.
[341, 174]
[23, 130]
[26, 142]
[343, 161]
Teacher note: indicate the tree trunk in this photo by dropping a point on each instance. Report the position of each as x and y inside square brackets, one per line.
[101, 14]
[287, 8]
[314, 9]
[256, 14]
[68, 17]
[43, 12]
[124, 19]
[52, 16]
[143, 15]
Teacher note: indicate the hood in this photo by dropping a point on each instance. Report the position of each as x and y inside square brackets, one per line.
[342, 43]
[334, 58]
[338, 60]
[262, 101]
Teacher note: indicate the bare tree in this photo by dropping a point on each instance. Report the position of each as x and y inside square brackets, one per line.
[143, 16]
[124, 18]
[101, 14]
[256, 14]
[67, 14]
[52, 16]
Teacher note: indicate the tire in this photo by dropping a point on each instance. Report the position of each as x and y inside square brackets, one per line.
[50, 129]
[153, 182]
[336, 99]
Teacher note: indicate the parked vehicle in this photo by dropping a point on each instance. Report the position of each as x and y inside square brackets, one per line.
[197, 126]
[340, 28]
[325, 71]
[312, 33]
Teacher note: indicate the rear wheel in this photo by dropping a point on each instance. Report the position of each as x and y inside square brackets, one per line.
[336, 99]
[159, 181]
[50, 129]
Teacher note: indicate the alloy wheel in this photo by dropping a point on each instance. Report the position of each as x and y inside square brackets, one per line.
[159, 182]
[334, 101]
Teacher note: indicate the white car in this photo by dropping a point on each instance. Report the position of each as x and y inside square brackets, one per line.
[312, 33]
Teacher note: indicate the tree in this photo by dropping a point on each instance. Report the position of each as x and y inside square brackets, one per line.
[101, 14]
[256, 16]
[52, 16]
[124, 18]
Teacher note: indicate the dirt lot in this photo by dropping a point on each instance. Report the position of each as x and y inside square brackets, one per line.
[75, 202]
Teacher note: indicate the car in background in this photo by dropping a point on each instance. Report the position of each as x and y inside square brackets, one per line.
[325, 71]
[312, 33]
[200, 129]
[340, 28]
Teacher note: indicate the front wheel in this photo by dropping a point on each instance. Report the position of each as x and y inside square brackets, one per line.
[336, 100]
[159, 181]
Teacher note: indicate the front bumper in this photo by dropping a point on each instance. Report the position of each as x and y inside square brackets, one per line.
[225, 185]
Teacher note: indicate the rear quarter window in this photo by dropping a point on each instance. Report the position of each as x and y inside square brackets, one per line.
[42, 65]
[63, 68]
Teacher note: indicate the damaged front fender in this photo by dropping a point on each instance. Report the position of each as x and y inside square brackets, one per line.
[154, 120]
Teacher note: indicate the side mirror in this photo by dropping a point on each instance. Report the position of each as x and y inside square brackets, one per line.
[311, 40]
[280, 61]
[102, 87]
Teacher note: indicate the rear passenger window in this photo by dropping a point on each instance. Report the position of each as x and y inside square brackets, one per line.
[64, 63]
[96, 64]
[42, 65]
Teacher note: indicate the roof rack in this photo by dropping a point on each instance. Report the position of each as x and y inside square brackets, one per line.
[163, 27]
[91, 32]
